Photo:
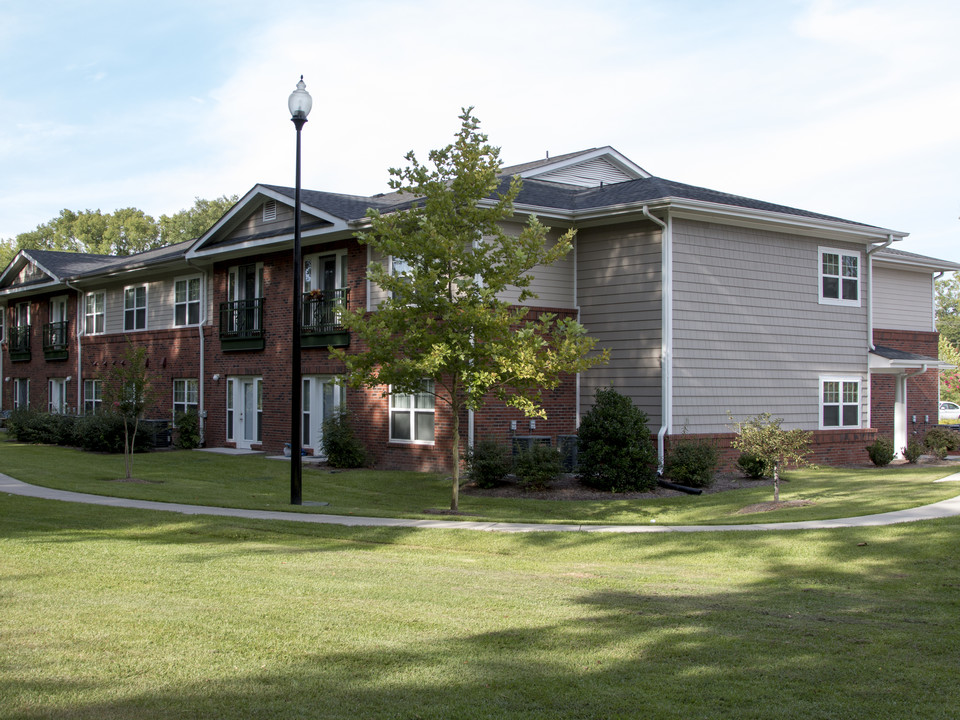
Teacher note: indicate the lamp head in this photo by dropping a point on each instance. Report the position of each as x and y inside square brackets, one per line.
[300, 102]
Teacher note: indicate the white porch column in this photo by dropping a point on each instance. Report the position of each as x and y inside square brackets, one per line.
[900, 414]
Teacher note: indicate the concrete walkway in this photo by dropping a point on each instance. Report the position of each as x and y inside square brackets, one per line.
[944, 508]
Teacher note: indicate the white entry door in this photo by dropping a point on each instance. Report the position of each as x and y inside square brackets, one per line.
[321, 399]
[244, 410]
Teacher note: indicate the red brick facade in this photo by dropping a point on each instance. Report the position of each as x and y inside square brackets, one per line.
[923, 391]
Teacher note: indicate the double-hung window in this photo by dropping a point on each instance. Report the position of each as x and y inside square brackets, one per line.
[186, 303]
[186, 396]
[135, 308]
[92, 396]
[839, 277]
[94, 308]
[839, 402]
[412, 415]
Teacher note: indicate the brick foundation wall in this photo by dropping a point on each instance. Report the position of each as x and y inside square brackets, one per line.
[923, 391]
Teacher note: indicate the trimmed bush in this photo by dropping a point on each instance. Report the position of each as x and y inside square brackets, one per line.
[940, 441]
[615, 450]
[537, 466]
[692, 463]
[913, 451]
[188, 430]
[752, 466]
[341, 446]
[881, 451]
[93, 433]
[487, 462]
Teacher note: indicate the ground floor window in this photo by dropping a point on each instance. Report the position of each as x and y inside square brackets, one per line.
[21, 393]
[412, 415]
[57, 400]
[92, 396]
[186, 396]
[322, 397]
[839, 402]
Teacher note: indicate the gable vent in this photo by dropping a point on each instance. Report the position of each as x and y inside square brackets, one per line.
[269, 210]
[590, 173]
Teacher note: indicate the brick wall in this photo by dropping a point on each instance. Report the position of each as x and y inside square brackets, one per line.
[922, 390]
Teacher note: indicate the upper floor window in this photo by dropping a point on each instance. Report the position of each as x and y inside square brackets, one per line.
[3, 315]
[135, 308]
[839, 277]
[93, 312]
[186, 302]
[839, 402]
[21, 315]
[412, 416]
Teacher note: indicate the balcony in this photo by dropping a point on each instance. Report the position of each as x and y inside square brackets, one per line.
[55, 341]
[241, 325]
[19, 342]
[321, 319]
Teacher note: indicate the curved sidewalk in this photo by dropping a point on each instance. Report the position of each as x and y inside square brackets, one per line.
[944, 508]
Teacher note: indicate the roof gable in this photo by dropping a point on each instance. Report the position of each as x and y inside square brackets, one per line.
[588, 168]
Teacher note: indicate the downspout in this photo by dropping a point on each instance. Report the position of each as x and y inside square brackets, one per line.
[666, 343]
[79, 334]
[201, 412]
[933, 320]
[576, 305]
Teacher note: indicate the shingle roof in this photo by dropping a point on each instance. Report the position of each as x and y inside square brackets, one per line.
[69, 265]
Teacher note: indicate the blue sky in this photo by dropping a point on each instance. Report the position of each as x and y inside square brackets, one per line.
[850, 108]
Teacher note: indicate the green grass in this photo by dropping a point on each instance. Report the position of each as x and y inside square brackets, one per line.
[109, 613]
[261, 483]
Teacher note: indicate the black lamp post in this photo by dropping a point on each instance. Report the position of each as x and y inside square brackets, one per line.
[299, 103]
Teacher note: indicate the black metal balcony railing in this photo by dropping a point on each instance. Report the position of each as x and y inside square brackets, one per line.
[241, 324]
[55, 341]
[321, 324]
[19, 342]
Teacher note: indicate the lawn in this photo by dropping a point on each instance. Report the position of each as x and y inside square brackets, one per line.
[110, 613]
[258, 482]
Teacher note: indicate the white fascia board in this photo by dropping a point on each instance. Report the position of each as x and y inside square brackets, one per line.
[614, 157]
[929, 264]
[21, 260]
[881, 365]
[31, 289]
[241, 207]
[267, 244]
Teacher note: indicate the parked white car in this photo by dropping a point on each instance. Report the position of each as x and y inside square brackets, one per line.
[949, 411]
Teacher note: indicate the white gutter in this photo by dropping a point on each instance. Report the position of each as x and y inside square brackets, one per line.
[79, 344]
[870, 252]
[666, 343]
[933, 305]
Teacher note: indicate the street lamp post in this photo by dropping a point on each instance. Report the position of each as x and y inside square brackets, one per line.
[299, 103]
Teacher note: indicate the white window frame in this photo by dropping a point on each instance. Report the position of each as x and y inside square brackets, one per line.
[840, 277]
[92, 396]
[56, 395]
[312, 261]
[417, 406]
[841, 402]
[187, 302]
[136, 309]
[186, 396]
[19, 383]
[400, 267]
[3, 318]
[21, 311]
[90, 318]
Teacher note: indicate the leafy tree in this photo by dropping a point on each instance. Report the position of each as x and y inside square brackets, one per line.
[128, 392]
[949, 379]
[948, 308]
[192, 223]
[763, 437]
[445, 319]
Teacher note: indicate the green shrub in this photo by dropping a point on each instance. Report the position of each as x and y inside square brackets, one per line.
[103, 432]
[692, 463]
[881, 451]
[615, 451]
[93, 433]
[341, 446]
[913, 451]
[487, 463]
[940, 441]
[753, 466]
[537, 466]
[187, 430]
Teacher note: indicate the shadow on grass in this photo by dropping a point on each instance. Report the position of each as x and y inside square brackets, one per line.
[649, 627]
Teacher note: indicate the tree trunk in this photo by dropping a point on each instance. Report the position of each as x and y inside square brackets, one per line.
[126, 450]
[776, 482]
[455, 497]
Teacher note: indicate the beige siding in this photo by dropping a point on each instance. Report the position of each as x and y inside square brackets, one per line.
[160, 301]
[552, 284]
[749, 333]
[254, 223]
[619, 293]
[902, 299]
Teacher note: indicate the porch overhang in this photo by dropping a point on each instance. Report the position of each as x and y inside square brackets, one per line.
[889, 361]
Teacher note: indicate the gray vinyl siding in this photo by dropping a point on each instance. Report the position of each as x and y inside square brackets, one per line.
[750, 335]
[902, 299]
[619, 291]
[254, 223]
[552, 284]
[160, 300]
